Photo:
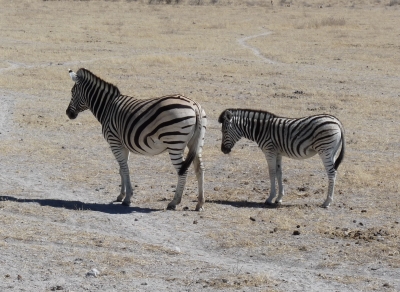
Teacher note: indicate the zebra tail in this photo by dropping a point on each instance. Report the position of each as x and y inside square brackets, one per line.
[193, 151]
[341, 155]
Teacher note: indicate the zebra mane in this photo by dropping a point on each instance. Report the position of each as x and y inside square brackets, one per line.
[86, 75]
[234, 111]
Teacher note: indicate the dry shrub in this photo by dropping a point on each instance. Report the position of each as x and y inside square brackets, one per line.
[327, 21]
[394, 2]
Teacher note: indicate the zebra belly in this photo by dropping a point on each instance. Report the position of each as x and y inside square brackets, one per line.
[154, 147]
[307, 153]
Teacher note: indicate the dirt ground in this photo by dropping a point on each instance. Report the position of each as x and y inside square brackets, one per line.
[59, 227]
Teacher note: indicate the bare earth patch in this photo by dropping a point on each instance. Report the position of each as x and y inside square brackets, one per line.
[59, 227]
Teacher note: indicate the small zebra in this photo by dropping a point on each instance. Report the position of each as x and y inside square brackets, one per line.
[295, 138]
[144, 126]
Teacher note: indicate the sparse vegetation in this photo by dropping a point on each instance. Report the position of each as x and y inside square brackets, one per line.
[58, 176]
[394, 2]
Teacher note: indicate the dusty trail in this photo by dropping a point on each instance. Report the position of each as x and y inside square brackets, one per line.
[255, 51]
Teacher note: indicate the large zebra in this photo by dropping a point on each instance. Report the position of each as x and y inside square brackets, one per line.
[295, 138]
[143, 126]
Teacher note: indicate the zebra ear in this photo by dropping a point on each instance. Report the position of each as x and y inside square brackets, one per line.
[74, 77]
[228, 115]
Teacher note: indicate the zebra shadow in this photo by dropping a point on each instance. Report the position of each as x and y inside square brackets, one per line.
[110, 208]
[247, 204]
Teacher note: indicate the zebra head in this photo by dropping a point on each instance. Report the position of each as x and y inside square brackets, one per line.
[230, 134]
[78, 101]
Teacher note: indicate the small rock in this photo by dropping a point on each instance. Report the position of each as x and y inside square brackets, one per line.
[275, 229]
[195, 222]
[374, 268]
[225, 280]
[386, 285]
[216, 188]
[177, 249]
[296, 232]
[185, 208]
[364, 211]
[303, 189]
[136, 219]
[252, 219]
[7, 276]
[19, 277]
[298, 226]
[144, 284]
[93, 273]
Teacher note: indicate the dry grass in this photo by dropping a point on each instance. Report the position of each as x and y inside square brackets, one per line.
[338, 59]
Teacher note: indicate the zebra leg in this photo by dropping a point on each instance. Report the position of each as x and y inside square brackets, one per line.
[271, 159]
[177, 160]
[122, 156]
[122, 193]
[199, 169]
[327, 159]
[279, 177]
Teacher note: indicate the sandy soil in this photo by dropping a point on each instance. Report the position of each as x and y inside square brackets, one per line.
[59, 226]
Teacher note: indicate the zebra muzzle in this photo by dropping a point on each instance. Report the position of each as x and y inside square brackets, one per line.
[71, 114]
[225, 150]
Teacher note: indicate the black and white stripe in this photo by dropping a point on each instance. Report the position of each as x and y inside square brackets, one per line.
[295, 138]
[144, 126]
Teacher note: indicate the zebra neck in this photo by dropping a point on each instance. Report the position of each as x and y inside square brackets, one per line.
[100, 103]
[253, 125]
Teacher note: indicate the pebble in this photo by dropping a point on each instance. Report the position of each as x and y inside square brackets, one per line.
[296, 232]
[93, 273]
[252, 219]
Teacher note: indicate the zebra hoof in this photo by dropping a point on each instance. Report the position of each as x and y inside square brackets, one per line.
[171, 207]
[127, 204]
[199, 209]
[326, 204]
